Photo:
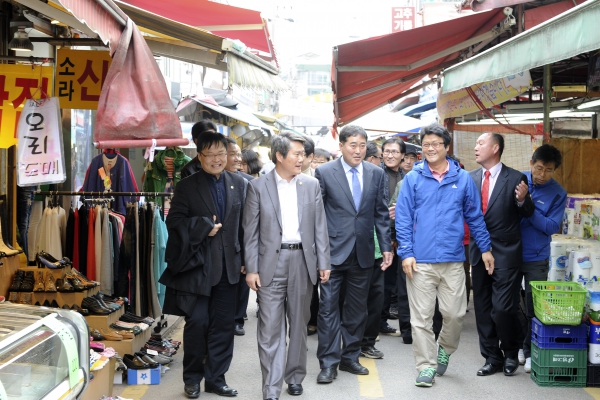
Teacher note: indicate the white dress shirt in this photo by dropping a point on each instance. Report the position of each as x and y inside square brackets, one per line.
[347, 169]
[494, 172]
[288, 202]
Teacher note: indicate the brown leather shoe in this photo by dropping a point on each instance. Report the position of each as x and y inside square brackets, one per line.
[110, 335]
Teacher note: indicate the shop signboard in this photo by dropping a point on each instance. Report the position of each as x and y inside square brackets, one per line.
[17, 84]
[403, 18]
[491, 93]
[40, 157]
[80, 75]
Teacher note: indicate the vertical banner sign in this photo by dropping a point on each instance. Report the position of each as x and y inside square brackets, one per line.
[80, 75]
[17, 84]
[41, 159]
[403, 18]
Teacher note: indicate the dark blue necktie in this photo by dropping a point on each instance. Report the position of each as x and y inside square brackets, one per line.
[356, 190]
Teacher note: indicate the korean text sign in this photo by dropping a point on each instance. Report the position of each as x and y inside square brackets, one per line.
[40, 158]
[403, 18]
[80, 75]
[17, 84]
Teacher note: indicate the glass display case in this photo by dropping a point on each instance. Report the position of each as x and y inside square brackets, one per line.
[44, 353]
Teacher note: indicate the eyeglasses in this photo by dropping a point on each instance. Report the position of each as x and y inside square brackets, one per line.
[213, 156]
[391, 152]
[236, 155]
[433, 145]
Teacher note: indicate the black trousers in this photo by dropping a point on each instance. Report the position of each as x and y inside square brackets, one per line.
[495, 298]
[243, 292]
[374, 304]
[390, 283]
[532, 271]
[209, 330]
[347, 324]
[314, 305]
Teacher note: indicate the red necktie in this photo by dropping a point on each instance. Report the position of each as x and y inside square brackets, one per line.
[485, 190]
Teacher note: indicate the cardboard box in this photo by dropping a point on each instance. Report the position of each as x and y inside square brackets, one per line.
[143, 376]
[129, 346]
[102, 384]
[104, 321]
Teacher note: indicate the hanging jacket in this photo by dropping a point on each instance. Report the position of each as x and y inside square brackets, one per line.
[156, 172]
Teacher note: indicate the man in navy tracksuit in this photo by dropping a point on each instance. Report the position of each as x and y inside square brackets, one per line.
[536, 231]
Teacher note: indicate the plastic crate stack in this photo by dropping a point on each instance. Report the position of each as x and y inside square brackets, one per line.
[559, 348]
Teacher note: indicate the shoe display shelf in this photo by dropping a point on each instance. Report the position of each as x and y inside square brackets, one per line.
[102, 384]
[129, 346]
[559, 355]
[104, 321]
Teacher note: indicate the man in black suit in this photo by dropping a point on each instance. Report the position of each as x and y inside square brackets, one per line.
[505, 199]
[204, 258]
[354, 195]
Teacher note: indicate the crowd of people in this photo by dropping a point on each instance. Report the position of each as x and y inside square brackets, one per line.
[315, 237]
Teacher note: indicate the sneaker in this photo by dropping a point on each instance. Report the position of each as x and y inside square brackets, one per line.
[388, 330]
[521, 357]
[527, 366]
[442, 360]
[426, 378]
[371, 352]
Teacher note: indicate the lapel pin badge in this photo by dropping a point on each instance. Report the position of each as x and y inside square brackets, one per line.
[300, 183]
[232, 187]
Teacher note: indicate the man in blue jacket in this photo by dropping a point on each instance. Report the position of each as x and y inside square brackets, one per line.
[436, 196]
[549, 199]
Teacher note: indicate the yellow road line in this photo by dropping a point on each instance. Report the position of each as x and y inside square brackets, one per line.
[134, 392]
[594, 392]
[369, 385]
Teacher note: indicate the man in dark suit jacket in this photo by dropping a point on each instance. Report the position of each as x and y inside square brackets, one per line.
[505, 199]
[355, 202]
[211, 198]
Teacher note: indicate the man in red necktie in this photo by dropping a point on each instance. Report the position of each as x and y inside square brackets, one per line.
[505, 199]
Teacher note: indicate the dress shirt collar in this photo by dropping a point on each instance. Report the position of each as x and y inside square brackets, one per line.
[494, 171]
[280, 179]
[439, 176]
[347, 167]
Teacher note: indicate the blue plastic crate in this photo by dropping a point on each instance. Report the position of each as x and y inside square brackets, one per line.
[558, 336]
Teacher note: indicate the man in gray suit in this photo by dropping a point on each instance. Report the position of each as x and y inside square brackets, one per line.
[286, 251]
[354, 195]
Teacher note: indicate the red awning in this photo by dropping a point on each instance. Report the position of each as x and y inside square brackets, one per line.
[536, 16]
[220, 19]
[361, 83]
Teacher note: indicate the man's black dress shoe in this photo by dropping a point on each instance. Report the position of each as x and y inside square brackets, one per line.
[354, 368]
[510, 366]
[488, 369]
[222, 391]
[295, 389]
[192, 391]
[239, 330]
[327, 375]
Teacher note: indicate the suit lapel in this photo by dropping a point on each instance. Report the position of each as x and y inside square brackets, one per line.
[274, 194]
[300, 196]
[340, 176]
[229, 192]
[500, 182]
[205, 193]
[367, 177]
[477, 179]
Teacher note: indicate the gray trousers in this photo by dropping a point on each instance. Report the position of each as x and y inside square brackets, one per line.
[289, 293]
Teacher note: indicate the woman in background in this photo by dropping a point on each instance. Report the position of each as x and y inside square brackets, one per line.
[250, 163]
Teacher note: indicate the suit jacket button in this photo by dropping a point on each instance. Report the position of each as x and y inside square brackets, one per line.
[276, 251]
[279, 233]
[220, 248]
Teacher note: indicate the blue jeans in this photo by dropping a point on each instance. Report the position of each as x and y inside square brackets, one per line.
[24, 205]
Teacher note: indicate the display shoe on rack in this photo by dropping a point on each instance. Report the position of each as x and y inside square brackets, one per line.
[93, 307]
[44, 262]
[96, 335]
[26, 298]
[112, 306]
[39, 282]
[63, 261]
[17, 281]
[63, 285]
[4, 248]
[28, 282]
[136, 330]
[147, 359]
[120, 364]
[49, 284]
[134, 362]
[125, 334]
[75, 283]
[13, 297]
[82, 311]
[86, 282]
[159, 358]
[66, 307]
[110, 335]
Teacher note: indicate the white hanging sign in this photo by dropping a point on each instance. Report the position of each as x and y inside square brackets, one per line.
[41, 158]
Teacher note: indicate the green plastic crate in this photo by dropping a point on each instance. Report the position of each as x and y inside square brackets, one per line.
[558, 303]
[558, 376]
[571, 358]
